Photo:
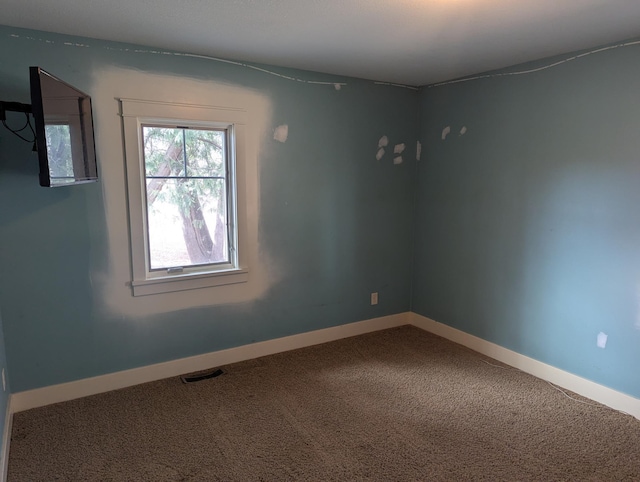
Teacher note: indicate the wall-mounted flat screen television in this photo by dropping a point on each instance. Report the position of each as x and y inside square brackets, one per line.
[63, 130]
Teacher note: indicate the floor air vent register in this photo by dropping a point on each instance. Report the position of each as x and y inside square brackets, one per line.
[202, 375]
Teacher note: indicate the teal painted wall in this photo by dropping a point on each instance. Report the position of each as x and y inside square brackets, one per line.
[524, 228]
[527, 225]
[333, 224]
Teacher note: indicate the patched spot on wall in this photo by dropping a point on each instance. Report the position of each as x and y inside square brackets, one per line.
[281, 133]
[601, 341]
[463, 131]
[445, 132]
[397, 149]
[382, 143]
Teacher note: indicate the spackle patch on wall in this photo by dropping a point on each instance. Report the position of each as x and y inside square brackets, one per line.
[602, 340]
[397, 149]
[445, 132]
[463, 131]
[281, 133]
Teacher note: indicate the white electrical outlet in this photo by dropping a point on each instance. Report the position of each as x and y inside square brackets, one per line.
[374, 298]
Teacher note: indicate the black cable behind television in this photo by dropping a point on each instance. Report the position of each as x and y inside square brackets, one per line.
[63, 133]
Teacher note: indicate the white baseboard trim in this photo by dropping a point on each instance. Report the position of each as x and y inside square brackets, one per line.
[6, 440]
[40, 397]
[586, 388]
[63, 392]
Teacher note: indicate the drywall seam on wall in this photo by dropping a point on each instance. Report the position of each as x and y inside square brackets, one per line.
[335, 85]
[403, 86]
[249, 66]
[537, 69]
[72, 44]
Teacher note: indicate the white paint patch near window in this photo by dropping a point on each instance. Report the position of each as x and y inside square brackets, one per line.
[398, 148]
[397, 160]
[337, 86]
[379, 154]
[445, 132]
[463, 131]
[281, 133]
[602, 340]
[109, 285]
[418, 150]
[383, 142]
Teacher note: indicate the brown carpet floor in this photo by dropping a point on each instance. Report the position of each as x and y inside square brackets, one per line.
[399, 404]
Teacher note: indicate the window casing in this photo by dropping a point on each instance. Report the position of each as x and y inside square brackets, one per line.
[151, 273]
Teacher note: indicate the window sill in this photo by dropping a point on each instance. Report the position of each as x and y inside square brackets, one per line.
[183, 282]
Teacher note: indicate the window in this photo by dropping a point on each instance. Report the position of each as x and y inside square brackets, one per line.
[185, 176]
[188, 210]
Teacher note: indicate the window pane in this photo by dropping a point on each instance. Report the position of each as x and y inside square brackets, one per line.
[187, 222]
[205, 153]
[163, 151]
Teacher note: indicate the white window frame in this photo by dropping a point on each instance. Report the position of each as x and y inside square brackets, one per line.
[135, 114]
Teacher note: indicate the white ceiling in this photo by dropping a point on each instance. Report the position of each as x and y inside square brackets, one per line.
[413, 42]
